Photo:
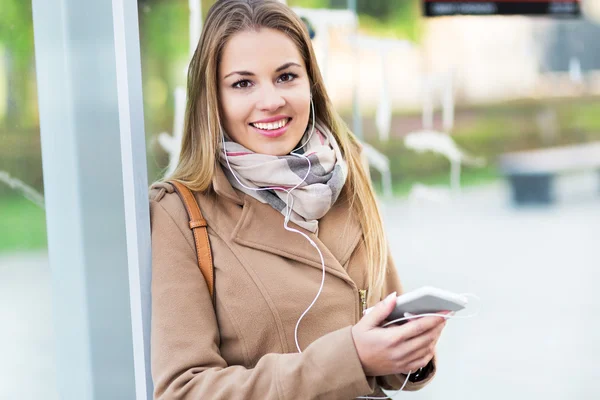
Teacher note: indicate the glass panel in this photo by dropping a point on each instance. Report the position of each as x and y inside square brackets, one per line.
[21, 183]
[27, 369]
[165, 46]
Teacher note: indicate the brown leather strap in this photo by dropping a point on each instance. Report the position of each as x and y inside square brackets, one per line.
[198, 227]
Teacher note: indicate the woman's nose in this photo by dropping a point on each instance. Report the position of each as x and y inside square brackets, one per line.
[270, 100]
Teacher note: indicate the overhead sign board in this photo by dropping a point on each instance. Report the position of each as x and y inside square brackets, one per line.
[556, 8]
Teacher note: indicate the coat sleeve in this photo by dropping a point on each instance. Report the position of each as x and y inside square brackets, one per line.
[395, 382]
[186, 361]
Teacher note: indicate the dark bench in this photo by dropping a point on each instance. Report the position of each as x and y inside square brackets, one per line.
[531, 173]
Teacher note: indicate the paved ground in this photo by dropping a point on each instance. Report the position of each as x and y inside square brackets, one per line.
[536, 270]
[27, 370]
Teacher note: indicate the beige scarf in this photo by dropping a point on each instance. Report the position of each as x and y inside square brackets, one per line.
[274, 176]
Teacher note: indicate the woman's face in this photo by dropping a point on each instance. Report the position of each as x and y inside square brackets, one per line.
[264, 91]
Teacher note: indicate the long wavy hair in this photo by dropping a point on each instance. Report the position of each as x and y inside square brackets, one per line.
[201, 137]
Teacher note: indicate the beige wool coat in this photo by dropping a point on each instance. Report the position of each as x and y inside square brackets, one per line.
[265, 277]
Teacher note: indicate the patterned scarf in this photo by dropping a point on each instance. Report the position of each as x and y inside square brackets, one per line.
[312, 198]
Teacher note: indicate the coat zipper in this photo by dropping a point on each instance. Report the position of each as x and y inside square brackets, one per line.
[363, 301]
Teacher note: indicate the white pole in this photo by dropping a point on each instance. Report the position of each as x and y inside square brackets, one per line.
[98, 225]
[455, 168]
[448, 102]
[356, 116]
[384, 109]
[427, 102]
[323, 28]
[135, 183]
[178, 125]
[195, 24]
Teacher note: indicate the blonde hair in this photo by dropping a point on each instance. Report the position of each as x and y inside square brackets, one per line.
[201, 137]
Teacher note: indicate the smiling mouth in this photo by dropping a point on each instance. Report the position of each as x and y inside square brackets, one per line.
[271, 126]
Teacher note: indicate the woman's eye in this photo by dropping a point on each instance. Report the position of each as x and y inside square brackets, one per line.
[243, 84]
[287, 77]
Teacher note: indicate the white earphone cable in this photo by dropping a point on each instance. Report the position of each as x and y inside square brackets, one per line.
[288, 213]
[446, 316]
[388, 397]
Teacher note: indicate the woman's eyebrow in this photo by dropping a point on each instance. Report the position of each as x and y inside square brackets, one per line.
[287, 65]
[248, 73]
[243, 73]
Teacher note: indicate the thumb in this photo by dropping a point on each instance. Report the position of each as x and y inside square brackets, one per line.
[380, 312]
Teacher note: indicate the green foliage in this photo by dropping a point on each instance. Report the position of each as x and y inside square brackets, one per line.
[16, 30]
[309, 3]
[22, 225]
[400, 20]
[380, 9]
[385, 18]
[583, 117]
[164, 29]
[21, 157]
[164, 42]
[16, 38]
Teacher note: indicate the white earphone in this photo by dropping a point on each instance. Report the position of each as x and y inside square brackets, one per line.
[288, 212]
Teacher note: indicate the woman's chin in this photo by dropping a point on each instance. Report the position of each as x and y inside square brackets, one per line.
[278, 147]
[278, 150]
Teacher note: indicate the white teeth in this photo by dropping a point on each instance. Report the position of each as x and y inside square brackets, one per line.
[272, 125]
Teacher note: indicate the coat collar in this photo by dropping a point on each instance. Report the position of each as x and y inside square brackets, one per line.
[260, 226]
[222, 187]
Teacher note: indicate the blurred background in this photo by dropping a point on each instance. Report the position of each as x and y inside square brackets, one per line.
[483, 135]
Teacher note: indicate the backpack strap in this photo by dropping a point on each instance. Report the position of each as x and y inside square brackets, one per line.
[198, 226]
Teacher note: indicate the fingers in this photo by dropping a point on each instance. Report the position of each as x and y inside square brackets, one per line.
[414, 329]
[422, 350]
[415, 361]
[423, 345]
[425, 340]
[419, 362]
[419, 346]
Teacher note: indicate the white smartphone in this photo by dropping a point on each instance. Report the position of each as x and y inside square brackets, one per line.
[426, 300]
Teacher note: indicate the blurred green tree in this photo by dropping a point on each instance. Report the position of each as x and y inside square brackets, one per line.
[16, 39]
[387, 18]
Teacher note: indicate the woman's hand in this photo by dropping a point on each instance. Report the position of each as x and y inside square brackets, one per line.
[395, 349]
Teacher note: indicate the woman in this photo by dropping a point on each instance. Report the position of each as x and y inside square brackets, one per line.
[296, 237]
